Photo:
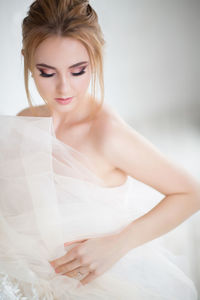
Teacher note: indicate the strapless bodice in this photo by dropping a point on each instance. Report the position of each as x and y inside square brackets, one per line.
[49, 197]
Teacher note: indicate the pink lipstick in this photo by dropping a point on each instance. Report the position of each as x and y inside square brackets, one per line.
[64, 101]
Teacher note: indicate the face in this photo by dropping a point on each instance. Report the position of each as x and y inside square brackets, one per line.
[62, 70]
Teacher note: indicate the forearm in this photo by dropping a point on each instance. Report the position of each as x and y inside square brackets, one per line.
[166, 215]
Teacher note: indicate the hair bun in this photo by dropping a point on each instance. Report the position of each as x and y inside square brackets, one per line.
[79, 2]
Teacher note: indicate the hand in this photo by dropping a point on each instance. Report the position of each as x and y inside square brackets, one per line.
[91, 257]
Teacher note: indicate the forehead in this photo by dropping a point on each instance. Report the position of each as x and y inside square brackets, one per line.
[60, 51]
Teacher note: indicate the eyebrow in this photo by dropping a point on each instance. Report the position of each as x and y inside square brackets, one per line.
[51, 67]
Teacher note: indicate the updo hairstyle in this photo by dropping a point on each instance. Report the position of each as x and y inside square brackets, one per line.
[65, 18]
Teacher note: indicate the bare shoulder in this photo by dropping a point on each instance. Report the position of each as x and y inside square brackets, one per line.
[109, 124]
[131, 152]
[38, 111]
[107, 119]
[26, 112]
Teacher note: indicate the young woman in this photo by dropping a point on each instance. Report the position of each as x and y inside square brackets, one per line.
[76, 237]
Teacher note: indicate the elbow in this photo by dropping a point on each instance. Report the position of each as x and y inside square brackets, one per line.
[198, 198]
[195, 192]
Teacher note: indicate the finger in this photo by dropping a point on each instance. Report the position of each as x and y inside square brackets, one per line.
[83, 270]
[68, 267]
[88, 278]
[69, 256]
[76, 241]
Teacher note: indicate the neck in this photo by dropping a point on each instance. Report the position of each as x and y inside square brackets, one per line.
[73, 117]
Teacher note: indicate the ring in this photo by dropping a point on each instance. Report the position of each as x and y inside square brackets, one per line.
[79, 275]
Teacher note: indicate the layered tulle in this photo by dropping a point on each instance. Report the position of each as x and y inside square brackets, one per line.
[49, 197]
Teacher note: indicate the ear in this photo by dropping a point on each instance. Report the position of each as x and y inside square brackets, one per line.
[22, 52]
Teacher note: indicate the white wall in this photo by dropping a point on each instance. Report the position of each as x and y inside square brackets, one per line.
[151, 59]
[152, 75]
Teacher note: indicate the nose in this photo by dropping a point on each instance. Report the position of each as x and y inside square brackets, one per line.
[63, 86]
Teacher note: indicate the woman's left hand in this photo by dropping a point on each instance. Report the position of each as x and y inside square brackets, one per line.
[91, 257]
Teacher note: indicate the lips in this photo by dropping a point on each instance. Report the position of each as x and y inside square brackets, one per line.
[64, 100]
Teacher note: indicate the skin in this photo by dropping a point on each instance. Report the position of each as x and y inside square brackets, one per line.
[115, 150]
[63, 84]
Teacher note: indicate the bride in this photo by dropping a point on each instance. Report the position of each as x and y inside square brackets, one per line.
[105, 259]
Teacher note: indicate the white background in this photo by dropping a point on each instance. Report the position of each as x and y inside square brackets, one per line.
[152, 78]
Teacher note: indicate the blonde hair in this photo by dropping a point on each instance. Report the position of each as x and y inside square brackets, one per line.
[65, 18]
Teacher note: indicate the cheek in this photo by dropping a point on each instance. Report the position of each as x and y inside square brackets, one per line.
[83, 83]
[43, 86]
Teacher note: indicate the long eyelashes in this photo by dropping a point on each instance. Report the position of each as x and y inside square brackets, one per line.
[80, 73]
[43, 74]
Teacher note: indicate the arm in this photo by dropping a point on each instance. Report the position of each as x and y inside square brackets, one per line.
[165, 216]
[129, 151]
[132, 153]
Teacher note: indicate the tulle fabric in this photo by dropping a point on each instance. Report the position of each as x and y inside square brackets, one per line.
[49, 197]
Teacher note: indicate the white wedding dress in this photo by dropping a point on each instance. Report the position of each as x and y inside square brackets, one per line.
[50, 197]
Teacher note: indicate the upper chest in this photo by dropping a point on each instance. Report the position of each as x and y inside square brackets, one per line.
[86, 139]
[83, 139]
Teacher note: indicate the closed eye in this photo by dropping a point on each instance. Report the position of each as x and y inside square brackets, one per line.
[80, 73]
[43, 74]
